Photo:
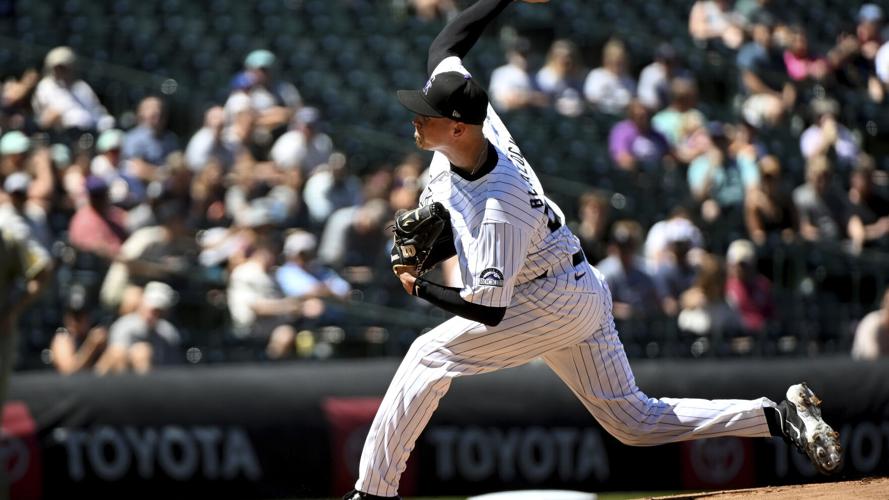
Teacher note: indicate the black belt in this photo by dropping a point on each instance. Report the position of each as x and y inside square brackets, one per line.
[576, 259]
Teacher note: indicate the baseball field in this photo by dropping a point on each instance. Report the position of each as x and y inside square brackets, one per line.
[867, 488]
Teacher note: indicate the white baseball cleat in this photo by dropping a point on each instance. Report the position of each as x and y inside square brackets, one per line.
[803, 426]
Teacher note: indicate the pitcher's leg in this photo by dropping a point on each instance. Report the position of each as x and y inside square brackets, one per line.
[419, 383]
[538, 322]
[598, 372]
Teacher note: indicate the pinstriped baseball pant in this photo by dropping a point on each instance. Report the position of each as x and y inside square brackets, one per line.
[567, 323]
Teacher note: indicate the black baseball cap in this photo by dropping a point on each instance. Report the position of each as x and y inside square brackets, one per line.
[448, 95]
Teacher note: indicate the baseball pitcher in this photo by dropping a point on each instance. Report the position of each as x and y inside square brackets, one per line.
[528, 291]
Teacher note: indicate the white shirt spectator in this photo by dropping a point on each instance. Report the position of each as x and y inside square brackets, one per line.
[845, 145]
[247, 284]
[508, 80]
[294, 149]
[609, 92]
[653, 86]
[207, 143]
[77, 104]
[664, 232]
[324, 195]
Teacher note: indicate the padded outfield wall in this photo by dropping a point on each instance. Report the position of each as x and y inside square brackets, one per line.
[296, 430]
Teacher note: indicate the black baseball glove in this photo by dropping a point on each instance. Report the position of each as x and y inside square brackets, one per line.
[420, 234]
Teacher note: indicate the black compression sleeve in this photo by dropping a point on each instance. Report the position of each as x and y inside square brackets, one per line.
[463, 31]
[449, 299]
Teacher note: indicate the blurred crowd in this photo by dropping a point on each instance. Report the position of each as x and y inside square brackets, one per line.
[705, 265]
[254, 233]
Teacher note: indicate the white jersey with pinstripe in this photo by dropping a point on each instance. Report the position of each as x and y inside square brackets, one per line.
[506, 231]
[563, 317]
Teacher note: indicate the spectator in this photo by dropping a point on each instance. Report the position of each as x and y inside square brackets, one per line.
[681, 123]
[79, 343]
[676, 273]
[801, 64]
[332, 188]
[704, 309]
[655, 79]
[124, 190]
[747, 291]
[238, 133]
[145, 148]
[177, 178]
[15, 100]
[273, 100]
[207, 143]
[355, 241]
[854, 56]
[14, 148]
[872, 334]
[633, 289]
[143, 339]
[159, 252]
[208, 197]
[62, 100]
[20, 212]
[828, 137]
[868, 225]
[634, 145]
[765, 84]
[18, 153]
[511, 84]
[259, 311]
[678, 226]
[609, 88]
[559, 80]
[747, 10]
[303, 277]
[769, 212]
[430, 10]
[594, 225]
[821, 209]
[305, 147]
[98, 227]
[718, 179]
[711, 25]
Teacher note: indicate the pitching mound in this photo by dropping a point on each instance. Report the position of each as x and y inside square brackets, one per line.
[861, 489]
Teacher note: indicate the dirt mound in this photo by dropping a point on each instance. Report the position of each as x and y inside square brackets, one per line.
[876, 488]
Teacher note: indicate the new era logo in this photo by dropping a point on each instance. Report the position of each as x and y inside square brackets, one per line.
[455, 114]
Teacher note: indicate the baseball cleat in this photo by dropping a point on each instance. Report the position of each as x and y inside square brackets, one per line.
[803, 426]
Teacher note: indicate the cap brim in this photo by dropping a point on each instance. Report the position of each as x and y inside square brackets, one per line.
[414, 101]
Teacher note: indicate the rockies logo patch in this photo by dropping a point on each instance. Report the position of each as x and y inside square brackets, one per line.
[428, 85]
[491, 277]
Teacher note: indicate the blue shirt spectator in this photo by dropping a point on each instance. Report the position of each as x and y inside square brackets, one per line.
[721, 175]
[147, 145]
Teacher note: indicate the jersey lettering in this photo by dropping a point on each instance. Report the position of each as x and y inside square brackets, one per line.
[554, 222]
[515, 154]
